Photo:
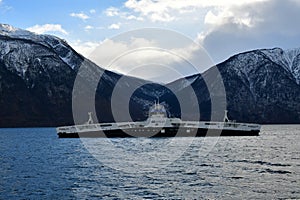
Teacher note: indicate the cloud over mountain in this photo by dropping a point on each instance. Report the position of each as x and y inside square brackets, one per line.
[251, 26]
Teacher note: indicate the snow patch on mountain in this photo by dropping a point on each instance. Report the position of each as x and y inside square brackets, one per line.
[10, 31]
[61, 46]
[15, 58]
[186, 82]
[183, 83]
[289, 59]
[15, 50]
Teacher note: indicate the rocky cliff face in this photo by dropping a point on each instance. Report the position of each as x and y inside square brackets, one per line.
[37, 74]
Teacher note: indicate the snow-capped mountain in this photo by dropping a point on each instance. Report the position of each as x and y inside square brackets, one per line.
[58, 46]
[261, 86]
[36, 78]
[37, 74]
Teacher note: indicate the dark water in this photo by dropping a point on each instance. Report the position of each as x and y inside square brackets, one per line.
[35, 164]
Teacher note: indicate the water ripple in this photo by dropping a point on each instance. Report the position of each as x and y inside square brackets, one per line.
[35, 164]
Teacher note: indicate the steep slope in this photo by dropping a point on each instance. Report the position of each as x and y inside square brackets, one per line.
[36, 79]
[259, 89]
[289, 59]
[261, 86]
[37, 74]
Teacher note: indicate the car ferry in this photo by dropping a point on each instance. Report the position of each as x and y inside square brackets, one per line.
[159, 124]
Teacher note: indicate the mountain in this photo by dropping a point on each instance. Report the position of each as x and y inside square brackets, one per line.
[261, 86]
[38, 74]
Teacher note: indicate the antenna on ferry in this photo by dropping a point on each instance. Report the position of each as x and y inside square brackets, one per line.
[90, 121]
[226, 116]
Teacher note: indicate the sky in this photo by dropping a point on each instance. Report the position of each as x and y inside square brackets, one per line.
[221, 27]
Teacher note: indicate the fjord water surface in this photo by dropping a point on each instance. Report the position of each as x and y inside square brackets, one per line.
[35, 164]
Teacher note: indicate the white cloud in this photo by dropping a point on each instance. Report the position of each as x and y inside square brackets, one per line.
[84, 48]
[170, 10]
[251, 26]
[80, 15]
[4, 7]
[130, 57]
[93, 11]
[163, 17]
[88, 27]
[224, 27]
[142, 57]
[114, 26]
[112, 11]
[131, 17]
[221, 16]
[116, 12]
[46, 28]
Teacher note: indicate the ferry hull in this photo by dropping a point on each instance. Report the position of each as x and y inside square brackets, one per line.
[159, 132]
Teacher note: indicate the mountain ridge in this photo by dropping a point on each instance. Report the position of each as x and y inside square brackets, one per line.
[37, 74]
